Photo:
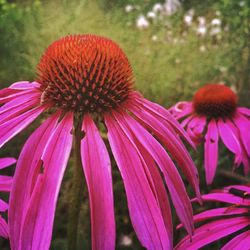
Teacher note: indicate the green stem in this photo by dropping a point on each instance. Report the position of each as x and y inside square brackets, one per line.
[77, 188]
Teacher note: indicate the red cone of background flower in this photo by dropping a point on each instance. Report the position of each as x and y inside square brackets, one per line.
[90, 77]
[5, 186]
[223, 221]
[212, 115]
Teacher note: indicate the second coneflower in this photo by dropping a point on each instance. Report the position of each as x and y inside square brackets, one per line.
[212, 115]
[86, 81]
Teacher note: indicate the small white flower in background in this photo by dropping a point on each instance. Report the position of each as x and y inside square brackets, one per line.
[201, 29]
[215, 31]
[151, 15]
[216, 22]
[171, 6]
[222, 69]
[201, 20]
[142, 22]
[157, 8]
[217, 13]
[202, 48]
[129, 8]
[241, 3]
[154, 38]
[234, 88]
[188, 19]
[126, 240]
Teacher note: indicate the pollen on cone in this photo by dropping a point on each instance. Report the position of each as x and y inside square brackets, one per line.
[85, 73]
[215, 100]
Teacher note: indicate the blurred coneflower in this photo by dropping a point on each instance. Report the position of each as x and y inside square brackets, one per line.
[214, 114]
[86, 81]
[5, 186]
[222, 222]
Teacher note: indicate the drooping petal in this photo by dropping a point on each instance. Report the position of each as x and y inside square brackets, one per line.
[144, 210]
[6, 162]
[225, 197]
[24, 85]
[211, 151]
[240, 242]
[27, 164]
[13, 126]
[211, 232]
[181, 109]
[156, 182]
[97, 170]
[243, 125]
[244, 111]
[5, 183]
[174, 183]
[218, 212]
[3, 228]
[243, 188]
[38, 222]
[153, 176]
[162, 114]
[17, 90]
[230, 140]
[172, 143]
[16, 107]
[3, 206]
[195, 128]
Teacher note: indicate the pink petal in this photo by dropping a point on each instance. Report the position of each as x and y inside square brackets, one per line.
[211, 151]
[5, 183]
[23, 180]
[37, 225]
[211, 232]
[3, 206]
[144, 210]
[195, 128]
[18, 106]
[6, 162]
[244, 111]
[225, 197]
[23, 85]
[218, 212]
[3, 228]
[181, 109]
[9, 94]
[243, 125]
[174, 183]
[239, 187]
[13, 126]
[162, 114]
[158, 187]
[173, 144]
[97, 170]
[240, 242]
[230, 139]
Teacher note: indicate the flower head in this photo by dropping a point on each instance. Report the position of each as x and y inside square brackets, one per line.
[214, 114]
[5, 186]
[221, 222]
[89, 78]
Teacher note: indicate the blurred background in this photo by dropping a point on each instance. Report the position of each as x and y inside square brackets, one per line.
[173, 46]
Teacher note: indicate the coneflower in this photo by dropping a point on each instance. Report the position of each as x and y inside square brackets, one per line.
[214, 114]
[86, 81]
[223, 221]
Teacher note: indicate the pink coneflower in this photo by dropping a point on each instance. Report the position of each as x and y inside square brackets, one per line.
[5, 186]
[223, 221]
[212, 115]
[87, 82]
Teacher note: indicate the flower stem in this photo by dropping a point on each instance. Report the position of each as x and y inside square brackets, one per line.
[77, 188]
